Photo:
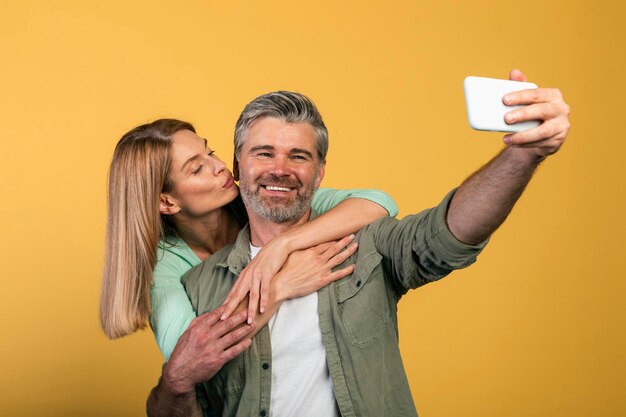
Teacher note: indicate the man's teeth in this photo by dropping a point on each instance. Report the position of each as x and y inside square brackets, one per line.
[276, 188]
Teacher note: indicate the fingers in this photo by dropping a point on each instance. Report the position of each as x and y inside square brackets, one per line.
[546, 105]
[265, 289]
[336, 247]
[207, 319]
[232, 338]
[253, 301]
[342, 256]
[542, 111]
[322, 247]
[236, 350]
[236, 296]
[532, 96]
[556, 126]
[341, 273]
[225, 326]
[537, 134]
[204, 331]
[517, 75]
[205, 346]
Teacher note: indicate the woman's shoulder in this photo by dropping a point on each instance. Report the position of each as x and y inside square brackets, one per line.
[174, 258]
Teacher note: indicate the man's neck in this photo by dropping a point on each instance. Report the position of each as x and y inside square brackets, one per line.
[262, 231]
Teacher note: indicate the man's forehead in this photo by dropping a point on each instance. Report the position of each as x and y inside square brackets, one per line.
[277, 133]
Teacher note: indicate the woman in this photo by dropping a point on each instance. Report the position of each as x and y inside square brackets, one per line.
[172, 203]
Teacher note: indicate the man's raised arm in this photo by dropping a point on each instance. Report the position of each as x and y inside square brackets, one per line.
[486, 198]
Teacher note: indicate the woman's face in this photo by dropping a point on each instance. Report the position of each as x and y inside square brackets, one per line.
[202, 183]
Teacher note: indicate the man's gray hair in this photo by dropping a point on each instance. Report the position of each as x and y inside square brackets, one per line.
[285, 105]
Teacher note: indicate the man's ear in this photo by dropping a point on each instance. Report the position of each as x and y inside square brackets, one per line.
[320, 173]
[167, 205]
[235, 168]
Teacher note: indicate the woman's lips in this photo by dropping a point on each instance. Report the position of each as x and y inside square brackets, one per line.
[229, 182]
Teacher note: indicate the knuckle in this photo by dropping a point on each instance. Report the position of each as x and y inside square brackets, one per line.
[545, 131]
[215, 363]
[194, 332]
[535, 94]
[196, 322]
[557, 93]
[566, 109]
[229, 338]
[551, 150]
[231, 353]
[235, 320]
[339, 259]
[336, 275]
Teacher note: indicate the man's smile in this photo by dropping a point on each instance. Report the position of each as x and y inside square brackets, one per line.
[277, 188]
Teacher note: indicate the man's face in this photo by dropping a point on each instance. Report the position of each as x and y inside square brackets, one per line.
[279, 169]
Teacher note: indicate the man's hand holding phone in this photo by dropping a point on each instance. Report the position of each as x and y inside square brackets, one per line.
[537, 118]
[543, 104]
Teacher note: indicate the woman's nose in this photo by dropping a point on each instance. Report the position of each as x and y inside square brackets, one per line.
[218, 166]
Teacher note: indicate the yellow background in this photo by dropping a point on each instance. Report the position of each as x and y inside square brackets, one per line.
[535, 328]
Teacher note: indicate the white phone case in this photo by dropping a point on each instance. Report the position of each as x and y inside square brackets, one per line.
[485, 109]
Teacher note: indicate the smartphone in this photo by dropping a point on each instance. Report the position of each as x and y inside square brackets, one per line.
[485, 109]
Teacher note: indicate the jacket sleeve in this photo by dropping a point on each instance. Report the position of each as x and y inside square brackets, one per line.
[420, 248]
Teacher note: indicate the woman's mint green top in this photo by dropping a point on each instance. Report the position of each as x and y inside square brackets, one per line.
[171, 309]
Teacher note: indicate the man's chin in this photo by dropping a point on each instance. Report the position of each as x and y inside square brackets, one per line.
[278, 202]
[280, 213]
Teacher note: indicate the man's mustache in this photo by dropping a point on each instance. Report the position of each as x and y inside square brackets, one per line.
[271, 179]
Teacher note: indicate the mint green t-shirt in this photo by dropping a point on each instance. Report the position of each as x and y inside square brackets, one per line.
[171, 309]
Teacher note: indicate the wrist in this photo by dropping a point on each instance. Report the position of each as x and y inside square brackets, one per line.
[527, 155]
[174, 385]
[277, 293]
[285, 242]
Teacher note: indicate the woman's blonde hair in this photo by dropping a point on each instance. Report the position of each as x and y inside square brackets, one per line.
[139, 173]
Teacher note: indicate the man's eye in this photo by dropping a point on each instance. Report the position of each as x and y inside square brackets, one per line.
[211, 153]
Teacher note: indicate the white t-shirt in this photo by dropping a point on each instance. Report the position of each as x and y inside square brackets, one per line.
[301, 384]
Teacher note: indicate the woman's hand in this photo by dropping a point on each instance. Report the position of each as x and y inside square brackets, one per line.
[309, 270]
[256, 277]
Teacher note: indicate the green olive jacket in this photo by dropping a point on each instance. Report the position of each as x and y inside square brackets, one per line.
[357, 316]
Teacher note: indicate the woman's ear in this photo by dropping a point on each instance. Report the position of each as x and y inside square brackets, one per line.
[167, 205]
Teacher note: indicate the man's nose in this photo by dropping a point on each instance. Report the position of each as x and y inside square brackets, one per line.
[280, 166]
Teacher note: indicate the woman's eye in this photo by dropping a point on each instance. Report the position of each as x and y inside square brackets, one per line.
[197, 170]
[211, 153]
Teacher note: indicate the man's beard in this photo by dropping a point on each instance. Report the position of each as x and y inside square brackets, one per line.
[277, 209]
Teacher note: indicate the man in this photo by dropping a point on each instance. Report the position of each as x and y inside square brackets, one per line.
[335, 352]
